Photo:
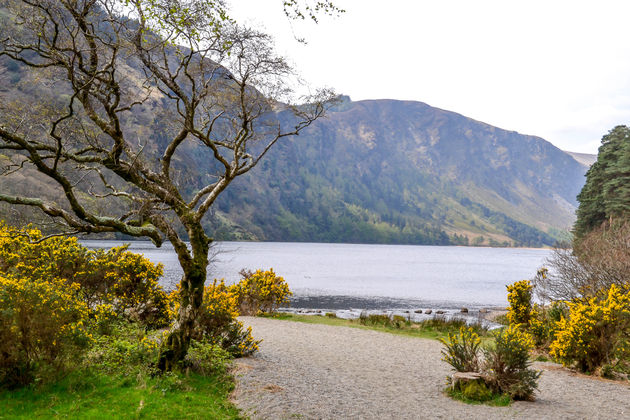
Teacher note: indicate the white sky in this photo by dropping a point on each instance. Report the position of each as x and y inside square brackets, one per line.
[556, 69]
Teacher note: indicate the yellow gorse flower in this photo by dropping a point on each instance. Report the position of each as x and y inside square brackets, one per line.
[596, 331]
[520, 299]
[126, 281]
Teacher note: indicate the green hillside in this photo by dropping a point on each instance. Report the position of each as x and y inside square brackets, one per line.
[403, 172]
[379, 171]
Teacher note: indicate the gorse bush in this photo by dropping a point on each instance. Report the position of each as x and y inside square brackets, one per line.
[524, 314]
[58, 300]
[543, 324]
[257, 292]
[260, 291]
[537, 320]
[217, 321]
[462, 350]
[126, 281]
[43, 324]
[596, 332]
[520, 299]
[507, 364]
[504, 367]
[586, 324]
[64, 305]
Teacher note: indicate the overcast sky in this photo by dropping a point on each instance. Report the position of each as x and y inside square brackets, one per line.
[555, 69]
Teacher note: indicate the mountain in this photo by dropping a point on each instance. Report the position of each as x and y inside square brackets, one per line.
[380, 171]
[586, 159]
[390, 171]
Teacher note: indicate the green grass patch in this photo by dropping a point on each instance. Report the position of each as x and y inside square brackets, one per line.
[95, 395]
[432, 328]
[495, 400]
[116, 379]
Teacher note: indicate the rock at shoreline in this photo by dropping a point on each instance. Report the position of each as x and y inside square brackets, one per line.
[464, 310]
[484, 311]
[428, 311]
[418, 311]
[440, 312]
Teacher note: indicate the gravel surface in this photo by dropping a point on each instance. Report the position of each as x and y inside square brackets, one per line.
[311, 371]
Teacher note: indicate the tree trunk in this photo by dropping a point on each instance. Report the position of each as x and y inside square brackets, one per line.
[176, 345]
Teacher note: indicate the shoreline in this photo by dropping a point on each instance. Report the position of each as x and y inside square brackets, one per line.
[484, 316]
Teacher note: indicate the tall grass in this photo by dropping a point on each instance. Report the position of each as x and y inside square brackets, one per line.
[434, 328]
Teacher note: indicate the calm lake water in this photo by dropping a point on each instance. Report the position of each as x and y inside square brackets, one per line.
[343, 276]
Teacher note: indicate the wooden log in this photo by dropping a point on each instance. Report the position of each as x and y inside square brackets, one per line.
[464, 377]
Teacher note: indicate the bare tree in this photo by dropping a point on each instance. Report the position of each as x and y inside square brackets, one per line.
[597, 260]
[222, 87]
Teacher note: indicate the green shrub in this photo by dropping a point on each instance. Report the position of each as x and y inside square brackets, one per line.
[507, 364]
[206, 358]
[261, 291]
[373, 319]
[217, 321]
[505, 368]
[128, 346]
[462, 350]
[42, 325]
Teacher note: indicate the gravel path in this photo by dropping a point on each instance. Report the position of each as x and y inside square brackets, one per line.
[322, 372]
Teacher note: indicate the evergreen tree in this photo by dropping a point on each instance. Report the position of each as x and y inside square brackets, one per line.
[606, 193]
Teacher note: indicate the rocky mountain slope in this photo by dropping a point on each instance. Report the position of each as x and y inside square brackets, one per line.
[405, 172]
[380, 171]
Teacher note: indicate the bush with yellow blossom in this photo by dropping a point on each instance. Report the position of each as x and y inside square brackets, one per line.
[508, 365]
[504, 368]
[43, 324]
[126, 281]
[596, 332]
[520, 299]
[217, 321]
[462, 350]
[260, 291]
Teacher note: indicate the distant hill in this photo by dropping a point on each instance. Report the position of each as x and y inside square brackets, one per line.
[379, 171]
[586, 159]
[404, 172]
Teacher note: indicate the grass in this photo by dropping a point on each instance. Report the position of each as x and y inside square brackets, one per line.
[495, 400]
[94, 395]
[433, 328]
[115, 379]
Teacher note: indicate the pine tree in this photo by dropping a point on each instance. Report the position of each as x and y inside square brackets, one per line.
[606, 193]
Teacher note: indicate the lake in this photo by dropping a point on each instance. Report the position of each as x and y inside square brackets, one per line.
[376, 277]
